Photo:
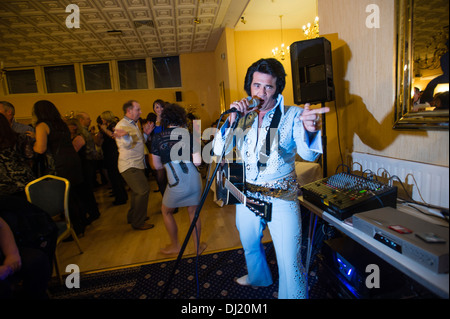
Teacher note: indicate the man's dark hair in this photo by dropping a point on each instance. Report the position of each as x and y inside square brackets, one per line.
[268, 66]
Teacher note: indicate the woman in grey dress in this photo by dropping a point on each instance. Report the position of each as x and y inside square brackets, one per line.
[173, 150]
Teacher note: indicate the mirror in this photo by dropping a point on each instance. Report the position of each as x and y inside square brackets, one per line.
[422, 82]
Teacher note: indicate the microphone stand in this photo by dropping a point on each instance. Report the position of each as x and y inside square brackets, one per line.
[202, 201]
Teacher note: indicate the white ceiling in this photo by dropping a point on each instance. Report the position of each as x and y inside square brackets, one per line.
[34, 32]
[265, 14]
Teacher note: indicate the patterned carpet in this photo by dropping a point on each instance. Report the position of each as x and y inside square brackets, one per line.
[216, 273]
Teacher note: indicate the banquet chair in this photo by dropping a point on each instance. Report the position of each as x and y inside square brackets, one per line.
[51, 194]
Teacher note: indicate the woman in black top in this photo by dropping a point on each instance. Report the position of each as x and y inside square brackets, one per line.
[159, 126]
[53, 140]
[172, 149]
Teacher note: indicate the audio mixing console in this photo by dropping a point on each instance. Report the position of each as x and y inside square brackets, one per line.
[344, 194]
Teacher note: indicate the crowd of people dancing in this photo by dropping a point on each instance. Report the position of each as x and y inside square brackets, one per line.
[121, 152]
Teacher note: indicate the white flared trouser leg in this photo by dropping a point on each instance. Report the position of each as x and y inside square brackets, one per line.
[285, 230]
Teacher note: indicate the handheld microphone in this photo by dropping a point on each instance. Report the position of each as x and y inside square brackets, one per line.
[254, 102]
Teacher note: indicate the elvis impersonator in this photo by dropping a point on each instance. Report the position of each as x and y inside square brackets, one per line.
[271, 135]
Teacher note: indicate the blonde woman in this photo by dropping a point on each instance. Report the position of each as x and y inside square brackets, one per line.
[75, 133]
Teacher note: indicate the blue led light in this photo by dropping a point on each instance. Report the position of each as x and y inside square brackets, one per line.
[345, 267]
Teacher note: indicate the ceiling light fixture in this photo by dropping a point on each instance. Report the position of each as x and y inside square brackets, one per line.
[197, 20]
[311, 31]
[281, 53]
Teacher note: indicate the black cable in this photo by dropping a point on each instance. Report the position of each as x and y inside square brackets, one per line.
[372, 174]
[338, 134]
[411, 200]
[343, 165]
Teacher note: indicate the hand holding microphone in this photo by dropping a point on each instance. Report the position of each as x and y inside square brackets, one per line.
[243, 106]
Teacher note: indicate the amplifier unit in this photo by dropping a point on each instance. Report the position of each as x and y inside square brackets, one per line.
[413, 237]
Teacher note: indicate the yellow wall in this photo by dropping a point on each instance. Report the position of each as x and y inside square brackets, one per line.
[225, 62]
[364, 70]
[199, 93]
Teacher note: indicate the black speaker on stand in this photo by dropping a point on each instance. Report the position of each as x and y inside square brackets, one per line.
[312, 77]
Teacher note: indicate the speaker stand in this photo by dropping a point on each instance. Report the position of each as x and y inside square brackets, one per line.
[324, 144]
